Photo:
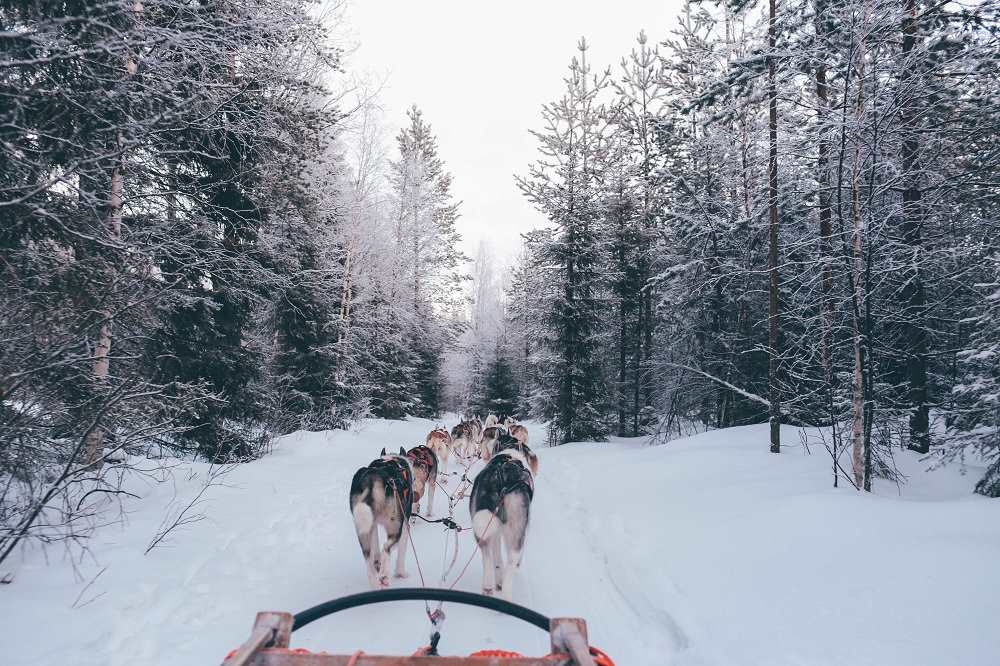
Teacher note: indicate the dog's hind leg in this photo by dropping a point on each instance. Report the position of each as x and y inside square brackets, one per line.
[485, 528]
[489, 572]
[514, 532]
[497, 556]
[400, 541]
[507, 580]
[431, 485]
[374, 560]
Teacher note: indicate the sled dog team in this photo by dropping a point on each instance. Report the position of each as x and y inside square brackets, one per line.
[389, 490]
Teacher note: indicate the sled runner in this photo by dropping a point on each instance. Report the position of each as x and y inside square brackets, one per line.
[268, 642]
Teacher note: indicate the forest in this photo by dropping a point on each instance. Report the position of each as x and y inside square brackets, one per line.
[781, 213]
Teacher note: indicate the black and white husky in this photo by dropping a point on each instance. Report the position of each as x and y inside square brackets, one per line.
[500, 506]
[382, 495]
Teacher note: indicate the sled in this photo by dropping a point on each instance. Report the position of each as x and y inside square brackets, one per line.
[268, 644]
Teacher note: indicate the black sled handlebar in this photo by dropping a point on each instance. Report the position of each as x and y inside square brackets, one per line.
[420, 594]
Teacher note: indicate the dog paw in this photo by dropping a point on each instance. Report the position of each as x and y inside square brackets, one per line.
[488, 591]
[383, 581]
[401, 574]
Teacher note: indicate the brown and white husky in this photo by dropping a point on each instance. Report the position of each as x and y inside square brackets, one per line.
[519, 432]
[439, 441]
[425, 470]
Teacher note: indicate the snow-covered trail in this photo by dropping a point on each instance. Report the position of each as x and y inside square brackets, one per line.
[706, 551]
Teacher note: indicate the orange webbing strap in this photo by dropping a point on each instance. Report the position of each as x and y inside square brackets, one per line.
[600, 657]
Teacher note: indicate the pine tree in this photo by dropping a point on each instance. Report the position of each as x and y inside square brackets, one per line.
[565, 185]
[500, 392]
[640, 195]
[427, 276]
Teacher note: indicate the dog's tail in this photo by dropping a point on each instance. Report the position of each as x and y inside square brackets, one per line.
[363, 516]
[485, 526]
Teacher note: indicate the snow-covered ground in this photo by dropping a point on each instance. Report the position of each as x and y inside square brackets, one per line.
[706, 551]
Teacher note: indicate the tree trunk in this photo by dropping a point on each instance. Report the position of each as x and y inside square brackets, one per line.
[914, 335]
[825, 225]
[94, 448]
[93, 453]
[859, 297]
[774, 329]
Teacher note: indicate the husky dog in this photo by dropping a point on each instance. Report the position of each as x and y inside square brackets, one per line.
[519, 432]
[458, 437]
[507, 443]
[477, 432]
[500, 506]
[509, 422]
[491, 421]
[489, 439]
[465, 437]
[382, 494]
[439, 441]
[425, 471]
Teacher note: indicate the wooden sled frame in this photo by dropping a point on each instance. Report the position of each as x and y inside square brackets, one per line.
[268, 644]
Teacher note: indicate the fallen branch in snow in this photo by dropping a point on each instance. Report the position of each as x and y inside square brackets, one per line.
[183, 517]
[792, 419]
[76, 602]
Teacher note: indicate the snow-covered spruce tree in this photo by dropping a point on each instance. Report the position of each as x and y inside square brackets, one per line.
[636, 195]
[500, 391]
[129, 234]
[974, 428]
[528, 295]
[483, 329]
[565, 185]
[426, 279]
[390, 368]
[712, 258]
[308, 359]
[238, 182]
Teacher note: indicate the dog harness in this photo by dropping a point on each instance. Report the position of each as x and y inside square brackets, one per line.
[512, 475]
[506, 442]
[395, 474]
[422, 456]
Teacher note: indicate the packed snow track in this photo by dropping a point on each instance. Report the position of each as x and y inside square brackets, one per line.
[708, 550]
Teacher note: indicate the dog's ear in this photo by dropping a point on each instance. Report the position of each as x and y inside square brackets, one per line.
[383, 451]
[402, 451]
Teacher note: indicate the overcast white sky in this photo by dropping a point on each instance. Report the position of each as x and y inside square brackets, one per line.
[481, 71]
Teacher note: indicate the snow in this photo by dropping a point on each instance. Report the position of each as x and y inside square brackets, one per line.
[708, 550]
